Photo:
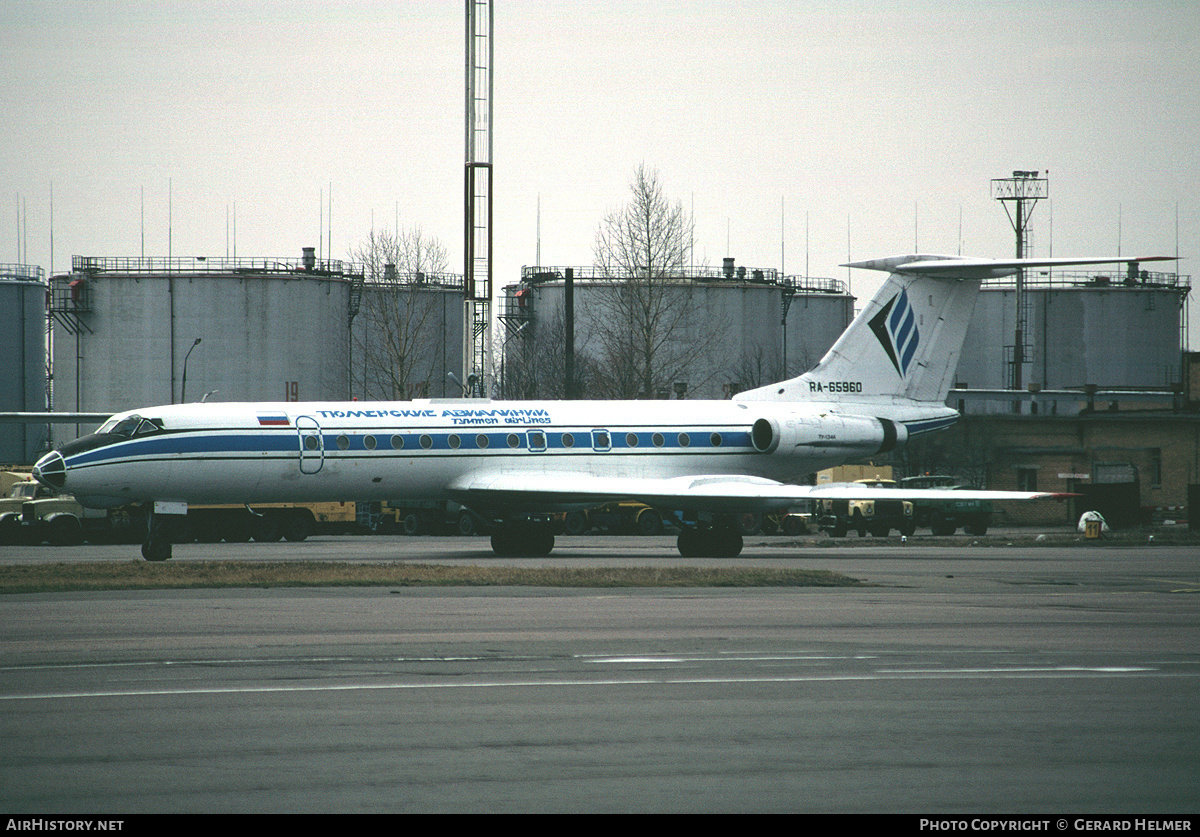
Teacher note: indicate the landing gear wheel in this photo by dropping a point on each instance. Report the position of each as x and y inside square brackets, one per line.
[710, 543]
[523, 541]
[691, 544]
[156, 550]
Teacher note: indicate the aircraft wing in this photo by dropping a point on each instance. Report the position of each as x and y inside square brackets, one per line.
[54, 418]
[714, 493]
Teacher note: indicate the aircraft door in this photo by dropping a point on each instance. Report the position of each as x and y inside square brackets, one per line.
[312, 445]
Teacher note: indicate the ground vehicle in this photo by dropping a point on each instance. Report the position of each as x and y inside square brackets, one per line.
[420, 517]
[236, 523]
[626, 517]
[878, 517]
[944, 517]
[795, 521]
[33, 513]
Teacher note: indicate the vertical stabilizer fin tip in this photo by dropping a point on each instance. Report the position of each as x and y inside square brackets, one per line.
[906, 341]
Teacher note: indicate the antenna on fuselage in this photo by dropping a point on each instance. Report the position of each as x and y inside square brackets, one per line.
[454, 379]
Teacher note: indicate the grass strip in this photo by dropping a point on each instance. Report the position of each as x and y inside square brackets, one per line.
[141, 575]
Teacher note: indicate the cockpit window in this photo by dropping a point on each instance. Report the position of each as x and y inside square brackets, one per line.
[127, 427]
[130, 426]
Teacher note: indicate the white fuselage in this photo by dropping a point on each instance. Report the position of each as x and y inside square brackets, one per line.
[308, 452]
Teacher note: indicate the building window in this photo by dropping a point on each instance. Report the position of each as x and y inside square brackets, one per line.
[1156, 466]
[1027, 479]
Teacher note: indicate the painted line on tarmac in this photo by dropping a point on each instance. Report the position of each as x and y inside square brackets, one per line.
[962, 674]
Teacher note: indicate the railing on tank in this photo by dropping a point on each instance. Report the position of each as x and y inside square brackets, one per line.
[538, 274]
[418, 279]
[22, 273]
[1115, 278]
[205, 264]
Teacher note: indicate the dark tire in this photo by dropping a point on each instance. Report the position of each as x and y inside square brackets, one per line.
[413, 525]
[523, 542]
[793, 526]
[156, 550]
[575, 523]
[65, 530]
[942, 526]
[728, 544]
[466, 524]
[978, 526]
[690, 543]
[265, 528]
[649, 523]
[10, 528]
[235, 527]
[750, 523]
[297, 525]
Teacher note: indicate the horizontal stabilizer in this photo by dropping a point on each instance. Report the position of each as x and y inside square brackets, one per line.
[974, 268]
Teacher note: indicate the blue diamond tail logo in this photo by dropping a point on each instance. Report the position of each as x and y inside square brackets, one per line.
[896, 328]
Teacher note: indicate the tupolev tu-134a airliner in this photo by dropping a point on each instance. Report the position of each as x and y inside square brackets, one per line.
[884, 381]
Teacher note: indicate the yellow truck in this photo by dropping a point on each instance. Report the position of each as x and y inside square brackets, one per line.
[31, 513]
[879, 517]
[35, 514]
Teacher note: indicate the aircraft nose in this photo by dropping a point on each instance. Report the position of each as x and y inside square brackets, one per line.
[51, 470]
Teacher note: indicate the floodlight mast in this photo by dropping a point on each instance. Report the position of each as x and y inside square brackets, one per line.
[477, 273]
[1023, 190]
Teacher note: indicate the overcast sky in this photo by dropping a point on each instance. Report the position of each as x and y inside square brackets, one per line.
[805, 133]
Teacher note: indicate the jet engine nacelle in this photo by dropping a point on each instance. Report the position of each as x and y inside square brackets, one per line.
[853, 435]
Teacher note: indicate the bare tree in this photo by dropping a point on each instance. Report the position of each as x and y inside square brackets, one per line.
[966, 450]
[401, 324]
[644, 323]
[535, 365]
[758, 368]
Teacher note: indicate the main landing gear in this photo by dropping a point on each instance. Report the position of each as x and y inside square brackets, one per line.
[719, 540]
[522, 539]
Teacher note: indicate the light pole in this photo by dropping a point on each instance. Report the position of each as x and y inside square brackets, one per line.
[183, 386]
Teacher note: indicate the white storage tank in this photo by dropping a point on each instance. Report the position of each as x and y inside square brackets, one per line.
[723, 332]
[407, 337]
[1113, 332]
[128, 331]
[23, 368]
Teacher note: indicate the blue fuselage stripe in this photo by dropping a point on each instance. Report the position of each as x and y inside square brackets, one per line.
[286, 442]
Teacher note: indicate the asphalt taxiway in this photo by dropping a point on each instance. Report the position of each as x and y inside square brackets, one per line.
[967, 679]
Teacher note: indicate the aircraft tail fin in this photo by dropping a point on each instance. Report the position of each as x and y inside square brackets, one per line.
[906, 342]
